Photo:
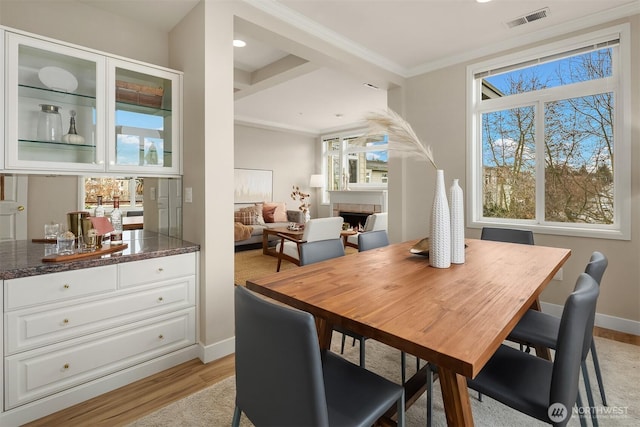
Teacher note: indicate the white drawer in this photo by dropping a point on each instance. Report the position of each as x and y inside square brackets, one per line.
[156, 269]
[38, 373]
[52, 287]
[33, 327]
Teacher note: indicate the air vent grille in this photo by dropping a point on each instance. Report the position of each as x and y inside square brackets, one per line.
[533, 16]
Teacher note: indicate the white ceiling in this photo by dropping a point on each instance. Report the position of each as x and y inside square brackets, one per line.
[402, 37]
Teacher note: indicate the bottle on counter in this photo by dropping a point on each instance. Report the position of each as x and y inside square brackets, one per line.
[116, 222]
[99, 209]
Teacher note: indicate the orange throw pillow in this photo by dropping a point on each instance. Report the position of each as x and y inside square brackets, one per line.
[268, 213]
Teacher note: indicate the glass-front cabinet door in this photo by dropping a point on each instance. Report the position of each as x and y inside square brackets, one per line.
[55, 106]
[144, 122]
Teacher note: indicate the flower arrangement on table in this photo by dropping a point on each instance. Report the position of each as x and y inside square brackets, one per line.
[296, 194]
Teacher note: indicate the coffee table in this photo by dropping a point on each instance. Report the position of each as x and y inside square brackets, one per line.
[266, 250]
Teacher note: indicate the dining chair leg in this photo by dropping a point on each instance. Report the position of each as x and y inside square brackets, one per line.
[429, 394]
[596, 365]
[587, 386]
[403, 368]
[237, 413]
[401, 410]
[581, 417]
[344, 338]
[362, 347]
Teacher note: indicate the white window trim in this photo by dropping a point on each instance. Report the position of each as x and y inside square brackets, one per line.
[621, 228]
[343, 155]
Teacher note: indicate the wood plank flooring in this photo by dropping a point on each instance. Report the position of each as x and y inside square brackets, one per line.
[138, 399]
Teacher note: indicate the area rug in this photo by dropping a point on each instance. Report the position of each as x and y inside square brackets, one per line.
[253, 264]
[619, 362]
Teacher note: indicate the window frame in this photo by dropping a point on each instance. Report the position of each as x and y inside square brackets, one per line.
[343, 158]
[619, 84]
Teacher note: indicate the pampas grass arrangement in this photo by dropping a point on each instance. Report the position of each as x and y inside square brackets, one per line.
[402, 138]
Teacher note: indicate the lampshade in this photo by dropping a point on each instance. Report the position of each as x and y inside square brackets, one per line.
[316, 181]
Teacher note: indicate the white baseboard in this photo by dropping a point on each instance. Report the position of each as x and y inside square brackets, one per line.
[603, 320]
[217, 350]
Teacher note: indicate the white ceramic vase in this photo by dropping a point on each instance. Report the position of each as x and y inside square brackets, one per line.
[307, 216]
[440, 238]
[456, 209]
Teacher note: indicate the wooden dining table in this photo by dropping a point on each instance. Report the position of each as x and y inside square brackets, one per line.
[454, 318]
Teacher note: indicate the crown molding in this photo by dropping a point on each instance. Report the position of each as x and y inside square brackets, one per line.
[525, 39]
[307, 25]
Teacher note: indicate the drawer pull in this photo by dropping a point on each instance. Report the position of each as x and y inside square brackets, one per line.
[160, 270]
[66, 366]
[161, 337]
[160, 299]
[65, 286]
[65, 321]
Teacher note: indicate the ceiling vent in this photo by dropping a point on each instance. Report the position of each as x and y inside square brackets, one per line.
[533, 16]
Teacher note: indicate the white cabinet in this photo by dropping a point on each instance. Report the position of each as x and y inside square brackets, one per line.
[46, 84]
[144, 119]
[76, 110]
[71, 333]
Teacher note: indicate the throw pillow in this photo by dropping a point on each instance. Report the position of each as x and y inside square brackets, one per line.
[244, 217]
[268, 213]
[280, 214]
[256, 212]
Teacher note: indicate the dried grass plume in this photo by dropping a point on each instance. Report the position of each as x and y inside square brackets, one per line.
[402, 138]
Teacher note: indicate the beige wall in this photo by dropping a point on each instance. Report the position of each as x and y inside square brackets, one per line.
[290, 156]
[435, 105]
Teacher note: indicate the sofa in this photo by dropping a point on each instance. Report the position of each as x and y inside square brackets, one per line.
[251, 220]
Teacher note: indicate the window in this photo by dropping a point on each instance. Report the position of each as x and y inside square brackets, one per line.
[129, 189]
[350, 161]
[550, 138]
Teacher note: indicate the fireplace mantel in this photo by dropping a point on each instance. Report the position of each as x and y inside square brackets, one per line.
[366, 201]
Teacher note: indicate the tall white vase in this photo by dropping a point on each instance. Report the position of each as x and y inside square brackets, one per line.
[457, 223]
[440, 238]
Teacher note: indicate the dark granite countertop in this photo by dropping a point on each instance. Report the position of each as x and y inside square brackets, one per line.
[23, 258]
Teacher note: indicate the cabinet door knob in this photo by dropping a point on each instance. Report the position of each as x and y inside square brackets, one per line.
[160, 270]
[66, 366]
[161, 337]
[65, 321]
[20, 208]
[65, 286]
[160, 299]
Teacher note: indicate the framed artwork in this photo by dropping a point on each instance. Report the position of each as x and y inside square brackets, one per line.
[253, 185]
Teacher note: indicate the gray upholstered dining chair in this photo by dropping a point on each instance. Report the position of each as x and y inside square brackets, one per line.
[509, 235]
[540, 328]
[322, 250]
[284, 379]
[372, 240]
[537, 387]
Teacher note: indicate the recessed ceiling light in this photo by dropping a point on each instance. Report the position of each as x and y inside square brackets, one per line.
[483, 1]
[239, 43]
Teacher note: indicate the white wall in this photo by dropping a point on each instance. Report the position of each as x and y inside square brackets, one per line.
[290, 156]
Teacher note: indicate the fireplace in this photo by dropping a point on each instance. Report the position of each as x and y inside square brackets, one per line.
[355, 219]
[357, 204]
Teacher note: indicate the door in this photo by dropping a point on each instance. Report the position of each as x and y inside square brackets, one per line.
[13, 207]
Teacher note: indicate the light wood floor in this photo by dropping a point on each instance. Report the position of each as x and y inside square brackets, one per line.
[136, 400]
